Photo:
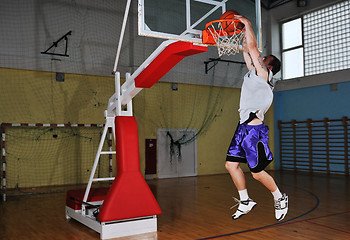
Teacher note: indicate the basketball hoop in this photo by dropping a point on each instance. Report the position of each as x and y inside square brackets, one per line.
[227, 42]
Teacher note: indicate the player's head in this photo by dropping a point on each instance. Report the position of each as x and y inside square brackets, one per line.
[272, 63]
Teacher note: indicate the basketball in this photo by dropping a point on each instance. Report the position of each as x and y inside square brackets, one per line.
[229, 26]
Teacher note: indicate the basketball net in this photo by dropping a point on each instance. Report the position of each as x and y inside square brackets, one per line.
[227, 42]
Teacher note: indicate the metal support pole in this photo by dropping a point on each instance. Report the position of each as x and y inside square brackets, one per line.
[122, 35]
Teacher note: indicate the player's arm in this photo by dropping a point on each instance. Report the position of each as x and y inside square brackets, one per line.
[251, 46]
[248, 60]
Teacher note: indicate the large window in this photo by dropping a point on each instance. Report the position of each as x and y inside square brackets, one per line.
[292, 57]
[318, 42]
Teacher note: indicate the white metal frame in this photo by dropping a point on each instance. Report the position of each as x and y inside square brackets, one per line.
[258, 24]
[191, 34]
[114, 229]
[122, 97]
[125, 227]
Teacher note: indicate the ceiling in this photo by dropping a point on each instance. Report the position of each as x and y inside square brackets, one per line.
[269, 4]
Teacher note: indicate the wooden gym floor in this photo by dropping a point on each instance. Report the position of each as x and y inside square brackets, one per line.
[199, 208]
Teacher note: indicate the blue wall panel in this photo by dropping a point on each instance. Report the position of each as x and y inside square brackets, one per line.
[316, 103]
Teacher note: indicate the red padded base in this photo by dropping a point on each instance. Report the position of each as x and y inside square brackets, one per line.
[129, 196]
[96, 194]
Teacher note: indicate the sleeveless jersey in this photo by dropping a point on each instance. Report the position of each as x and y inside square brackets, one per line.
[256, 96]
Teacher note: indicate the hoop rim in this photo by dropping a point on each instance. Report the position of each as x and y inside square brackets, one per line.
[227, 42]
[207, 33]
[221, 33]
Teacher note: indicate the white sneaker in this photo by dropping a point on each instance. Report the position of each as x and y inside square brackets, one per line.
[243, 208]
[281, 207]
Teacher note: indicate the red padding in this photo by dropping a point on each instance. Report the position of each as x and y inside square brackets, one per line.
[95, 195]
[129, 196]
[165, 61]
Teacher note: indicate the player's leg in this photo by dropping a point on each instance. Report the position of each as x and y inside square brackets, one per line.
[259, 157]
[235, 156]
[236, 174]
[245, 204]
[266, 179]
[280, 199]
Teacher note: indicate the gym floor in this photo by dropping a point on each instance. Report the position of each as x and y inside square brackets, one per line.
[199, 208]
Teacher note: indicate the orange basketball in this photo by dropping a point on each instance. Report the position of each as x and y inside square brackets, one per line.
[229, 26]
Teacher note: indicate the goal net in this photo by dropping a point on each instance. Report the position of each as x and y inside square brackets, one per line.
[49, 158]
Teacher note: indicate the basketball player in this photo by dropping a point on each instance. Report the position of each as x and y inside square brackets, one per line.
[250, 141]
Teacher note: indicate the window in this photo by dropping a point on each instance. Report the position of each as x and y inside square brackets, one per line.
[292, 56]
[317, 42]
[293, 63]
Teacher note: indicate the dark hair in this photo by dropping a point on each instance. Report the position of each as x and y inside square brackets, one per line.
[275, 63]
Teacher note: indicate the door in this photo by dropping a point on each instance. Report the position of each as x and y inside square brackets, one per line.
[151, 157]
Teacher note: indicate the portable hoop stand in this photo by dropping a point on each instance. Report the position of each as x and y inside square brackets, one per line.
[128, 207]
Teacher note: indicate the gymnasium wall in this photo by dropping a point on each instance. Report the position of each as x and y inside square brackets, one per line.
[51, 156]
[36, 97]
[31, 94]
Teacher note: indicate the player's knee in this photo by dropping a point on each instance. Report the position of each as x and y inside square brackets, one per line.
[231, 166]
[227, 166]
[257, 176]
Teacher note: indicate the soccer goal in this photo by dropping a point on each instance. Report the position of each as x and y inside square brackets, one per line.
[46, 158]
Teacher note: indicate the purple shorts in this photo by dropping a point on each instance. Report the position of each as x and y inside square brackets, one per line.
[250, 145]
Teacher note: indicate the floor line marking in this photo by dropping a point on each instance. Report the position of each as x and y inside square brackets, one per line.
[271, 225]
[322, 225]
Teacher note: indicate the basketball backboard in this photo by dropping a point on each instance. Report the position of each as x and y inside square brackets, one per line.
[186, 19]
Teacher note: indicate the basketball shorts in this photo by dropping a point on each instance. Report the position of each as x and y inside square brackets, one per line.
[250, 145]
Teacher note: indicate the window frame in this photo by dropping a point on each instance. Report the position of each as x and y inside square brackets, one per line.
[306, 71]
[292, 48]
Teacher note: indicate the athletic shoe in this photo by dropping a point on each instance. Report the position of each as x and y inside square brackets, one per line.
[243, 207]
[281, 207]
